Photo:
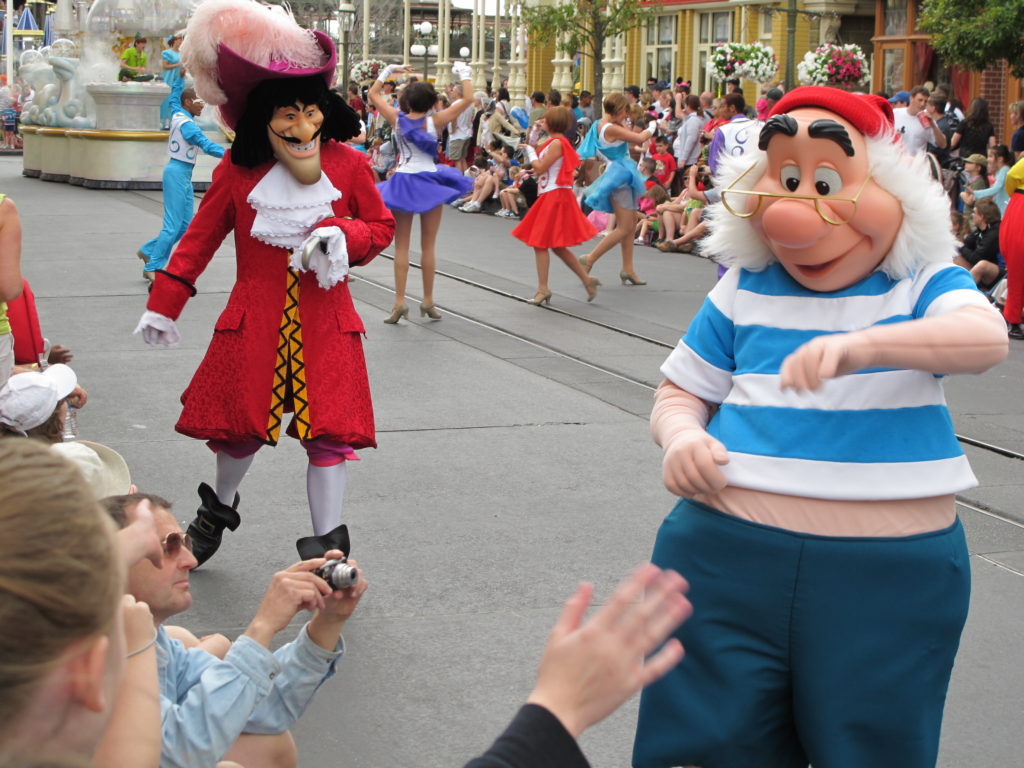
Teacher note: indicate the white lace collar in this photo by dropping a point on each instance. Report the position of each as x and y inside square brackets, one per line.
[286, 209]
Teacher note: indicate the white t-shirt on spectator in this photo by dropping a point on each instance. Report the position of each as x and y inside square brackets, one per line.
[462, 128]
[914, 135]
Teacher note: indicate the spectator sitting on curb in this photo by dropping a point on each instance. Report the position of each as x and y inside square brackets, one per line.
[239, 708]
[34, 404]
[980, 251]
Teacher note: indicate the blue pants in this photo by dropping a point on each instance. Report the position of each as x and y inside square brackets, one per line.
[179, 205]
[805, 649]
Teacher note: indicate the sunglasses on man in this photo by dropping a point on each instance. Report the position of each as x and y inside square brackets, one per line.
[173, 542]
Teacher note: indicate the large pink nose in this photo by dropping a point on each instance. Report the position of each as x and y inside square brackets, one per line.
[793, 223]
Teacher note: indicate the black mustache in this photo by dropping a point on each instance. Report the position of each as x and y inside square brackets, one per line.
[292, 139]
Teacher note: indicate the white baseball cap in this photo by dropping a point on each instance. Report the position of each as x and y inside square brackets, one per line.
[104, 468]
[29, 399]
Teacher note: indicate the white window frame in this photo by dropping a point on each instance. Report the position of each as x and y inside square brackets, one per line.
[654, 47]
[705, 38]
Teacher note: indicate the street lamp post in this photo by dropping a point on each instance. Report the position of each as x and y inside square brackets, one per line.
[423, 49]
[346, 21]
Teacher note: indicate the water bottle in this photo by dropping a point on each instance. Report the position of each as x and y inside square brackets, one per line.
[70, 424]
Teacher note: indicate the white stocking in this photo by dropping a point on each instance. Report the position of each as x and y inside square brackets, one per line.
[325, 488]
[230, 472]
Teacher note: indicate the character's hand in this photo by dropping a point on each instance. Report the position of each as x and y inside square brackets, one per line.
[138, 623]
[691, 463]
[59, 354]
[590, 669]
[158, 330]
[139, 540]
[292, 590]
[462, 71]
[825, 357]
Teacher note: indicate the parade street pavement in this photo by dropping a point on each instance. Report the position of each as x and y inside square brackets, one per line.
[514, 460]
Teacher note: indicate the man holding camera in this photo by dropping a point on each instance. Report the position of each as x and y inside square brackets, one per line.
[241, 706]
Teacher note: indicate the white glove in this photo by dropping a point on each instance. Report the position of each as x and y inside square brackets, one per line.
[531, 153]
[158, 330]
[462, 71]
[388, 71]
[325, 252]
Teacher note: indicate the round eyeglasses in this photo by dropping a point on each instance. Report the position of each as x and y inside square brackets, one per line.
[833, 209]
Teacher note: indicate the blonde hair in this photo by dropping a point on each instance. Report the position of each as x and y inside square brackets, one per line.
[50, 431]
[60, 578]
[615, 103]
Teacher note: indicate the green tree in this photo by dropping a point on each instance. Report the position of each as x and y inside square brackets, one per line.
[582, 26]
[975, 33]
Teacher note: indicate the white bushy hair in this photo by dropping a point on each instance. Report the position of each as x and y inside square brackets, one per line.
[257, 32]
[924, 237]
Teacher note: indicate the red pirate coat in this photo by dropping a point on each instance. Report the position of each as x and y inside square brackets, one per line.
[282, 343]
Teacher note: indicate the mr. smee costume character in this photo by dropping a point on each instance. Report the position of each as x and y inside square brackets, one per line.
[803, 421]
[304, 209]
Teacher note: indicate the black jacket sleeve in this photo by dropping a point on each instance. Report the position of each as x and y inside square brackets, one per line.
[534, 739]
[982, 245]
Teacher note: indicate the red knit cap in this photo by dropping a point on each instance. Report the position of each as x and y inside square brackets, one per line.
[869, 114]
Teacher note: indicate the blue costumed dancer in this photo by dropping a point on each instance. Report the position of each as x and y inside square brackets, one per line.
[619, 188]
[170, 74]
[183, 145]
[418, 184]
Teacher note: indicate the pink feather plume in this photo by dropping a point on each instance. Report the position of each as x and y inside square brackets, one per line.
[257, 32]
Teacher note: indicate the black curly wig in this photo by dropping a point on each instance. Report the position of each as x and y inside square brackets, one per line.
[251, 146]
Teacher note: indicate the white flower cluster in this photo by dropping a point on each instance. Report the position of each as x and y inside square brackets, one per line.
[367, 70]
[761, 64]
[835, 65]
[752, 61]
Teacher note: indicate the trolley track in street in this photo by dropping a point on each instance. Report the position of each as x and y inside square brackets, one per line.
[979, 444]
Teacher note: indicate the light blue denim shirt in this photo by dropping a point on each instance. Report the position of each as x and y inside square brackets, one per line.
[206, 703]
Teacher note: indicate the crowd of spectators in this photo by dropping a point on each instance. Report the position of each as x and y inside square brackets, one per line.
[689, 133]
[489, 144]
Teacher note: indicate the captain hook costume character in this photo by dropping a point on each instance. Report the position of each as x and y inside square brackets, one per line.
[804, 424]
[304, 209]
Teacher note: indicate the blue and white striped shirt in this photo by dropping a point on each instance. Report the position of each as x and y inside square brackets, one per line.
[874, 434]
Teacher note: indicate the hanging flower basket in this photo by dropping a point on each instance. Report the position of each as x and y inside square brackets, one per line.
[367, 70]
[759, 63]
[841, 66]
[725, 61]
[752, 61]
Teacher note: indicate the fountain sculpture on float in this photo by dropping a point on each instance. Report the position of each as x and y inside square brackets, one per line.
[82, 125]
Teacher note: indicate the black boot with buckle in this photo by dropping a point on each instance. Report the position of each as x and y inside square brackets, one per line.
[316, 546]
[212, 518]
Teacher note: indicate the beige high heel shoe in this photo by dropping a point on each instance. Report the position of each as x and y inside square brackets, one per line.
[397, 314]
[542, 297]
[429, 310]
[586, 267]
[592, 285]
[628, 279]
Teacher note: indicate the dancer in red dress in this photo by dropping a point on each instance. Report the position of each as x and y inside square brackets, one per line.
[555, 221]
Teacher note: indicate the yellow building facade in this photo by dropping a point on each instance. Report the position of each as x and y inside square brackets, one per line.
[679, 38]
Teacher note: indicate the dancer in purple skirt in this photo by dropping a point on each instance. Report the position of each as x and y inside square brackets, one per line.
[418, 184]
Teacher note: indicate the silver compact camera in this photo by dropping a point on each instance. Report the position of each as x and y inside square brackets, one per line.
[338, 573]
